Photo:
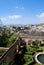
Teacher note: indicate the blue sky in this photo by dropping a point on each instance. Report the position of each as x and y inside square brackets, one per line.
[22, 11]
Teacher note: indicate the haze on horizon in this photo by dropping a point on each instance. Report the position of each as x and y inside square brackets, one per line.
[21, 11]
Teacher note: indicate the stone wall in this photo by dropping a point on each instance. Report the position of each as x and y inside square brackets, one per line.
[9, 56]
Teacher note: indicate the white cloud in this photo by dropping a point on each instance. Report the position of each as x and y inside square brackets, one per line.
[3, 19]
[10, 18]
[19, 7]
[15, 16]
[41, 16]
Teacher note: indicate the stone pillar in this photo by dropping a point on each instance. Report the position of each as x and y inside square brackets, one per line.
[17, 48]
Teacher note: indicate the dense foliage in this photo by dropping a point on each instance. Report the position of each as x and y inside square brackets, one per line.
[7, 38]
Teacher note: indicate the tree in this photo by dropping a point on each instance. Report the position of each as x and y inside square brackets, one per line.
[3, 39]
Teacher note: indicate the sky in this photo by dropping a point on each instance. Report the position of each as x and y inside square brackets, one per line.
[21, 12]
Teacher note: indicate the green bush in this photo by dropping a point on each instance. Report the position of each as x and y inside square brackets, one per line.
[12, 39]
[1, 52]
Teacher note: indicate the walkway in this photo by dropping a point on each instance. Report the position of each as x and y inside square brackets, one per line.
[4, 48]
